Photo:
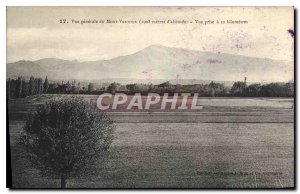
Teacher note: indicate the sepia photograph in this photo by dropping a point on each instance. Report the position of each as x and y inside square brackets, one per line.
[159, 97]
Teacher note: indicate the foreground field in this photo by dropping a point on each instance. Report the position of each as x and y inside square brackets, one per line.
[238, 146]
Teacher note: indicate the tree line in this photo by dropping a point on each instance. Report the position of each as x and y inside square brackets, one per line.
[20, 88]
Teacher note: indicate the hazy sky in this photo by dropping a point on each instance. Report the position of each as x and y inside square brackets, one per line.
[35, 32]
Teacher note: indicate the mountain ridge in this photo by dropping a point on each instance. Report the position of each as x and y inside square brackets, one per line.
[159, 62]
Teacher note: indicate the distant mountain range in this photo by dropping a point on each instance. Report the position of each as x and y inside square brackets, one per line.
[158, 62]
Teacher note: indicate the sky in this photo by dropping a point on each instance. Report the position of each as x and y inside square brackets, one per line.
[36, 32]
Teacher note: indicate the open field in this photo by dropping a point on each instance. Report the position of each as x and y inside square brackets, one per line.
[231, 143]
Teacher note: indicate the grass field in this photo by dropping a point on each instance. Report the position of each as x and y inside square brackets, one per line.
[231, 143]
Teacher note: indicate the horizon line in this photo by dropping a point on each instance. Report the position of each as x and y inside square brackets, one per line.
[152, 45]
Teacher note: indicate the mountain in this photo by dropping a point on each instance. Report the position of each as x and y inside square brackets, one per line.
[160, 62]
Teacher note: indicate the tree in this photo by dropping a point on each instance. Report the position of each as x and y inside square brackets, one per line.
[46, 85]
[31, 86]
[238, 89]
[275, 90]
[25, 89]
[74, 87]
[19, 87]
[52, 88]
[131, 87]
[216, 89]
[151, 88]
[36, 86]
[113, 87]
[64, 138]
[253, 90]
[68, 87]
[40, 86]
[91, 87]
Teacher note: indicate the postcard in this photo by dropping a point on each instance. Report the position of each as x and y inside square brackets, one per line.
[150, 97]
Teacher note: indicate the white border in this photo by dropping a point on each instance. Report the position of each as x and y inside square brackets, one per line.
[3, 5]
[152, 3]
